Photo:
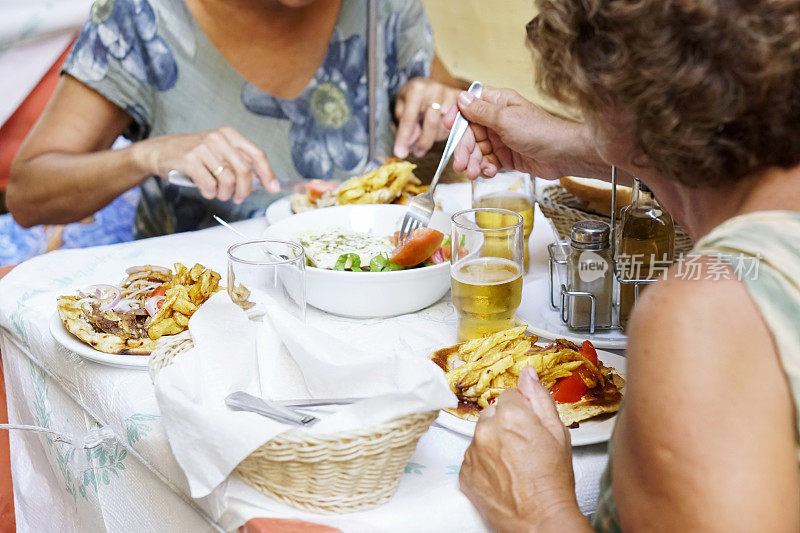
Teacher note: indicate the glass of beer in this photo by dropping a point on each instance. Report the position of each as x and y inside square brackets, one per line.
[514, 191]
[486, 274]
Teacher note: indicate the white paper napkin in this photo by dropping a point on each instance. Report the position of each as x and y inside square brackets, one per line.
[280, 358]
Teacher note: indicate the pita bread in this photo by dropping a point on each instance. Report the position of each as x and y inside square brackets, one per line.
[76, 323]
[596, 402]
[570, 413]
[300, 202]
[466, 411]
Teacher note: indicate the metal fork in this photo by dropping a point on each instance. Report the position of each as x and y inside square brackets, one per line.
[421, 207]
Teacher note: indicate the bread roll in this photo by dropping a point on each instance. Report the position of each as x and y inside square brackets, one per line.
[596, 194]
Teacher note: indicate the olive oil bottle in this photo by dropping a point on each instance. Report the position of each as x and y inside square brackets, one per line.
[646, 245]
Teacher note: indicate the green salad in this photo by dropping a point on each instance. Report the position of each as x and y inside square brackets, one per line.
[352, 251]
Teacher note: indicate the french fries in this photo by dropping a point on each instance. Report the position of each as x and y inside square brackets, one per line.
[240, 294]
[481, 369]
[167, 326]
[186, 291]
[181, 319]
[383, 185]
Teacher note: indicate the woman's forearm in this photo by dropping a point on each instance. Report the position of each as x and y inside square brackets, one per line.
[65, 170]
[580, 157]
[58, 187]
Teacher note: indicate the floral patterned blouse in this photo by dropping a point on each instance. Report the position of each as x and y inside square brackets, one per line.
[152, 59]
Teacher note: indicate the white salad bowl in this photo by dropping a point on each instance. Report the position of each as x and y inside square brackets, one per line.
[364, 294]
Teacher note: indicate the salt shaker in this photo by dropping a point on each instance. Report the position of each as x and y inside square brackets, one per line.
[590, 270]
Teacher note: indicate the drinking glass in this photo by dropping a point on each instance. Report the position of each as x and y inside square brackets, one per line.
[265, 272]
[514, 191]
[486, 273]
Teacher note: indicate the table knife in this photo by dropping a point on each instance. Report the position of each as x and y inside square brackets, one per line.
[242, 401]
[313, 402]
[182, 180]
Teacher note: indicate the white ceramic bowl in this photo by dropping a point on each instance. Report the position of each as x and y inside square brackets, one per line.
[364, 294]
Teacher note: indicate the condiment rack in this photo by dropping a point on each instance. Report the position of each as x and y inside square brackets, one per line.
[558, 256]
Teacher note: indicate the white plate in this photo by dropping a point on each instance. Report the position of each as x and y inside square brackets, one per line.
[452, 197]
[542, 320]
[74, 344]
[588, 432]
[279, 210]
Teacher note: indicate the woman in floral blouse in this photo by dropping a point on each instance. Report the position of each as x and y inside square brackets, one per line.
[220, 92]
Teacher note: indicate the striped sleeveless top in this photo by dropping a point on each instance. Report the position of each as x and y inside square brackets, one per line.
[764, 248]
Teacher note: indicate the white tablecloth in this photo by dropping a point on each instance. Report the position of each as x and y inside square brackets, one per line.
[135, 483]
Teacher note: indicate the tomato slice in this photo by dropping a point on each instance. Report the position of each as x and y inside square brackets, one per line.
[447, 251]
[572, 388]
[417, 247]
[161, 290]
[587, 350]
[569, 389]
[316, 188]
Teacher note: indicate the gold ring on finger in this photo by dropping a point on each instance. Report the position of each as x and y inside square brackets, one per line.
[220, 169]
[436, 106]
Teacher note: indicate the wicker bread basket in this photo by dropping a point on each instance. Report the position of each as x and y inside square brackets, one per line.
[330, 474]
[563, 209]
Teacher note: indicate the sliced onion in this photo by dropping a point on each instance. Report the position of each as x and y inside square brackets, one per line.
[99, 288]
[125, 305]
[151, 268]
[112, 302]
[150, 287]
[437, 257]
[108, 295]
[151, 304]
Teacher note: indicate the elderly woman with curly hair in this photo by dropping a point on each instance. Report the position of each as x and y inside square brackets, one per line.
[701, 100]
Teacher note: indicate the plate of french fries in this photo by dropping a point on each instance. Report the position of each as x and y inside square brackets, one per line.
[586, 384]
[393, 182]
[121, 324]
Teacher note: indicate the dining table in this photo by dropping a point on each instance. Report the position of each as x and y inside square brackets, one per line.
[132, 481]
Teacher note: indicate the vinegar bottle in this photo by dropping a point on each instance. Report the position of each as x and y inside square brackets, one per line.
[646, 245]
